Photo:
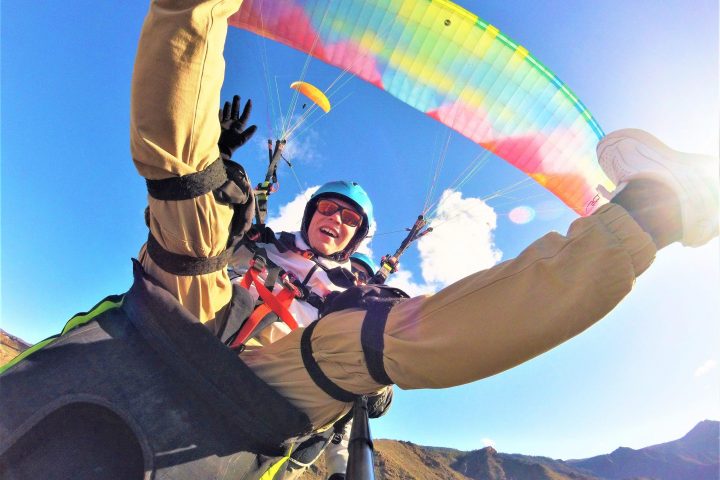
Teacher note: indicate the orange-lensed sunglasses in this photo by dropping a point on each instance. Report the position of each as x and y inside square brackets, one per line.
[348, 216]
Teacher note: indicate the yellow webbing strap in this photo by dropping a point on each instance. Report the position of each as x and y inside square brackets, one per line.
[275, 467]
[113, 301]
[83, 318]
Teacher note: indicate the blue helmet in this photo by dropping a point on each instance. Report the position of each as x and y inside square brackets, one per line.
[364, 260]
[356, 196]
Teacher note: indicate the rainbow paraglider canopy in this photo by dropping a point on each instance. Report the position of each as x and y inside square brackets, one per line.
[450, 64]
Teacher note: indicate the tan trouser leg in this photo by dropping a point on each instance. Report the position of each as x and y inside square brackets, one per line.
[174, 131]
[486, 323]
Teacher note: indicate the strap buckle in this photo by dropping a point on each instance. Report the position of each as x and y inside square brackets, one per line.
[288, 281]
[258, 263]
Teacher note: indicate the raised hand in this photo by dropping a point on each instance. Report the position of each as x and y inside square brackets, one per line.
[233, 133]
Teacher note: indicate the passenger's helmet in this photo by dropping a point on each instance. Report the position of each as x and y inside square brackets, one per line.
[356, 196]
[364, 260]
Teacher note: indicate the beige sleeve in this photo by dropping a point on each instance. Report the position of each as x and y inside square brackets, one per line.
[174, 130]
[484, 324]
[496, 319]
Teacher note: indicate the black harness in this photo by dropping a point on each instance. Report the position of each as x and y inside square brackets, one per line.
[139, 388]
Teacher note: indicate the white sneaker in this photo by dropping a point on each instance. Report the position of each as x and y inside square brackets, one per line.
[628, 154]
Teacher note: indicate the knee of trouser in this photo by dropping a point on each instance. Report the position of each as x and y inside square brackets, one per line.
[372, 342]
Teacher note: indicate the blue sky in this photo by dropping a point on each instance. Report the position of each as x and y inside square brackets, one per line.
[72, 203]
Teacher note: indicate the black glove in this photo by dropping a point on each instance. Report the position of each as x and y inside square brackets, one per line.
[379, 404]
[238, 192]
[233, 133]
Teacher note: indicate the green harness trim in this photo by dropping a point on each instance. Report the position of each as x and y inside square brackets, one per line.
[78, 320]
[275, 467]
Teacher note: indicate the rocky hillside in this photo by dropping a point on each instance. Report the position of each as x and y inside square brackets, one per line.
[397, 460]
[693, 457]
[10, 347]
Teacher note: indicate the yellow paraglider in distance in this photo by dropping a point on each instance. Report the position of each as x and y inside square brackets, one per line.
[313, 93]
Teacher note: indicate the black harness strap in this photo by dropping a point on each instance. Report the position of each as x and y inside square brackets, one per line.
[189, 186]
[229, 183]
[315, 300]
[185, 265]
[317, 375]
[371, 338]
[309, 274]
[272, 271]
[286, 242]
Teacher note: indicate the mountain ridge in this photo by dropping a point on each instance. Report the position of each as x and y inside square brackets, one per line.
[691, 457]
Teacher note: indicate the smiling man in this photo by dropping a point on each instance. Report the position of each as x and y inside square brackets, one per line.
[337, 219]
[314, 261]
[333, 225]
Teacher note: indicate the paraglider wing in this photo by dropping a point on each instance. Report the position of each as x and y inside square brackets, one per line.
[453, 66]
[313, 93]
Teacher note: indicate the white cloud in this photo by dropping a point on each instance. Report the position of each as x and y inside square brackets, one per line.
[488, 442]
[302, 148]
[290, 215]
[461, 242]
[365, 245]
[705, 368]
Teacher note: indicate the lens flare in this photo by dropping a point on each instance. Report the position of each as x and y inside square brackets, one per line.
[522, 215]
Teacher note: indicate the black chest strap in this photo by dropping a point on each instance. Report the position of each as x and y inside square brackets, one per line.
[286, 243]
[339, 276]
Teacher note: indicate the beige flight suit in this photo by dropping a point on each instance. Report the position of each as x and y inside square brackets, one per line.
[477, 327]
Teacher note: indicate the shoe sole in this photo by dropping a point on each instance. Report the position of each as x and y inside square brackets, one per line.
[671, 163]
[673, 169]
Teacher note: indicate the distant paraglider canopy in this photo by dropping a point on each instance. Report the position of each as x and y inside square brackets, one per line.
[448, 63]
[313, 93]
